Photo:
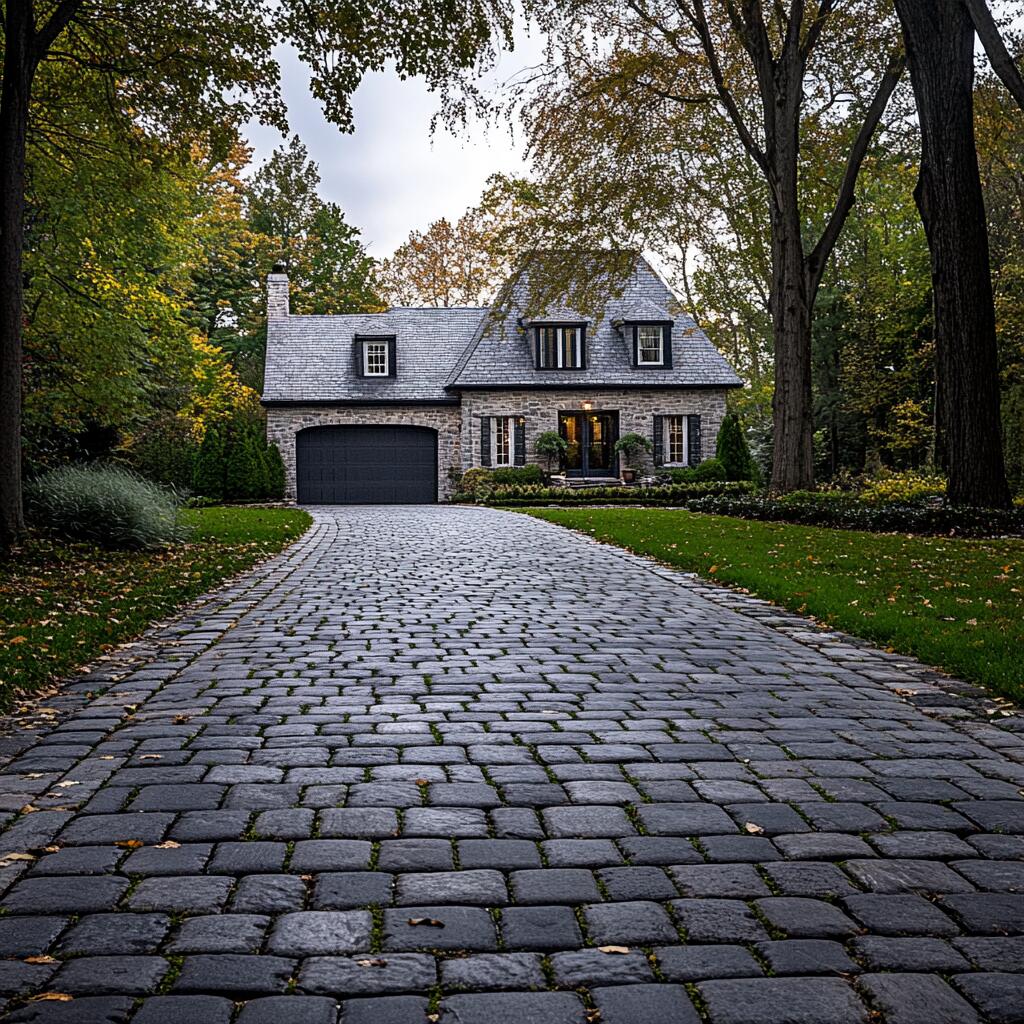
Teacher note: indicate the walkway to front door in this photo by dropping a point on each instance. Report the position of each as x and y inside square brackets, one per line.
[591, 438]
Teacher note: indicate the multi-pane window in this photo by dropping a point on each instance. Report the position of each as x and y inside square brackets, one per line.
[375, 358]
[560, 348]
[650, 344]
[502, 441]
[675, 428]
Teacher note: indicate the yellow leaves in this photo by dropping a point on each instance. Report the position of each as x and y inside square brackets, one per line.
[51, 997]
[129, 844]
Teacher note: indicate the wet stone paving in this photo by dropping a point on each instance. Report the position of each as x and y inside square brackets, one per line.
[460, 765]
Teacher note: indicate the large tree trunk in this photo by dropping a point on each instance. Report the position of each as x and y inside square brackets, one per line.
[792, 405]
[939, 39]
[14, 97]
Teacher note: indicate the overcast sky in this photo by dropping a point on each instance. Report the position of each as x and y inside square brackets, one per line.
[390, 176]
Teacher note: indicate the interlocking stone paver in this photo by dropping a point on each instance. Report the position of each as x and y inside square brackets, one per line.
[533, 746]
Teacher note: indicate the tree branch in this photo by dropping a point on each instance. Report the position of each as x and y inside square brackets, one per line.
[995, 48]
[46, 36]
[815, 262]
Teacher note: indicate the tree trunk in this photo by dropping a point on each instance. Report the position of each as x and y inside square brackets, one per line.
[792, 410]
[939, 40]
[14, 97]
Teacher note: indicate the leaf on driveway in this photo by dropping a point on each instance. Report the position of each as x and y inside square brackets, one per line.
[430, 922]
[613, 949]
[754, 830]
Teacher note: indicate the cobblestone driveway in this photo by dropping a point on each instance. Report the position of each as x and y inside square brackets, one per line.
[461, 765]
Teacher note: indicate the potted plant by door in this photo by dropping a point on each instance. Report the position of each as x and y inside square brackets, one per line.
[551, 447]
[630, 448]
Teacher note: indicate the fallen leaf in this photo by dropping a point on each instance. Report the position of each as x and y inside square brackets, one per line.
[34, 775]
[18, 856]
[18, 640]
[613, 949]
[433, 1017]
[593, 1016]
[423, 782]
[167, 844]
[151, 757]
[377, 962]
[129, 844]
[40, 960]
[29, 809]
[754, 830]
[430, 922]
[64, 785]
[106, 757]
[52, 997]
[51, 849]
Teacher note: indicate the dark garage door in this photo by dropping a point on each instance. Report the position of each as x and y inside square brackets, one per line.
[366, 465]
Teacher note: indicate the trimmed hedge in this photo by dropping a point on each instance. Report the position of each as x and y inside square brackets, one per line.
[671, 494]
[847, 512]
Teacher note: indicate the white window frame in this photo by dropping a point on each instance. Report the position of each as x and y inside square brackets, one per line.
[367, 345]
[577, 348]
[508, 424]
[684, 434]
[660, 361]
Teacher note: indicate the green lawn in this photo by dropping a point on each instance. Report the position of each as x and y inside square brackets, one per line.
[62, 604]
[957, 604]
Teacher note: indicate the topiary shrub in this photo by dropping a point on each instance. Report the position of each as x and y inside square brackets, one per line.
[105, 505]
[275, 472]
[208, 471]
[731, 450]
[551, 447]
[505, 475]
[707, 471]
[244, 473]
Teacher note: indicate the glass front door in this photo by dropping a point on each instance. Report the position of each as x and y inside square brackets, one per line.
[591, 438]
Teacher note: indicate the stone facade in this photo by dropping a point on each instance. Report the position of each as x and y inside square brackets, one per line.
[636, 409]
[284, 422]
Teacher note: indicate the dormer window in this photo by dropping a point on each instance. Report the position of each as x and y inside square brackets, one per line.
[375, 356]
[652, 344]
[561, 347]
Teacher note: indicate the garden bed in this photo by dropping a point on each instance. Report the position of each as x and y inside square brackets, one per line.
[62, 604]
[950, 602]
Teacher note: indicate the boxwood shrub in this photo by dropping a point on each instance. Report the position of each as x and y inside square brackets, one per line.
[535, 494]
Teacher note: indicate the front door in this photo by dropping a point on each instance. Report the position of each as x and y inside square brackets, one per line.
[591, 438]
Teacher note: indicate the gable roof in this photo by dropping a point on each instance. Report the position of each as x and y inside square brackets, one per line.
[502, 353]
[440, 351]
[311, 358]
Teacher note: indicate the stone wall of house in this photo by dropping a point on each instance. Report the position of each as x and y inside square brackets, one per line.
[284, 422]
[636, 409]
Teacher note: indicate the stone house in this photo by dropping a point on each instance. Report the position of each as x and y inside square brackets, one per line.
[390, 407]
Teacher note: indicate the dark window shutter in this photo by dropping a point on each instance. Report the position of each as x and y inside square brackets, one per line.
[485, 441]
[520, 442]
[693, 441]
[635, 331]
[357, 356]
[659, 440]
[392, 353]
[583, 348]
[536, 347]
[667, 346]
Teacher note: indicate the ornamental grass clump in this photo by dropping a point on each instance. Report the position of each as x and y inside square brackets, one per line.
[107, 506]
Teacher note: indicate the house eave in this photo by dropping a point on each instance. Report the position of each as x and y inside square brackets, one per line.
[595, 385]
[272, 403]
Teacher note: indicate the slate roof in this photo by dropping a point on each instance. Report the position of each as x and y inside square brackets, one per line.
[441, 351]
[502, 355]
[310, 358]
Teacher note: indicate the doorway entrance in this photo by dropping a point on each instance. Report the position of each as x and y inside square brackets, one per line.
[591, 438]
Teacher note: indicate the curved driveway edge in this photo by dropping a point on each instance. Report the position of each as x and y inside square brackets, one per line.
[460, 765]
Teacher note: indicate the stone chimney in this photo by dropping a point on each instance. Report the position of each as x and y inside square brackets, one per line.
[277, 292]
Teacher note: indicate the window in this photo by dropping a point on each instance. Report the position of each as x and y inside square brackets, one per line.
[560, 348]
[650, 345]
[375, 358]
[675, 427]
[502, 441]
